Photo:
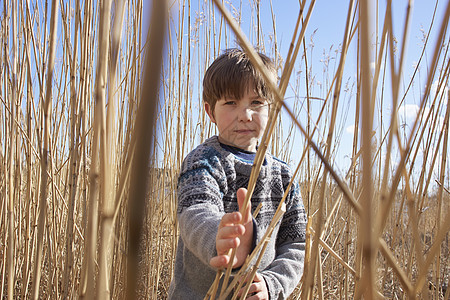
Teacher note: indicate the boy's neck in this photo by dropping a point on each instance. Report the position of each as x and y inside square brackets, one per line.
[236, 149]
[241, 153]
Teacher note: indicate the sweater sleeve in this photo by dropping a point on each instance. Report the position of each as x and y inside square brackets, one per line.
[200, 209]
[285, 271]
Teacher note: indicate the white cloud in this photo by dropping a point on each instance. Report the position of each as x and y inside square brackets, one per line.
[434, 90]
[408, 112]
[350, 129]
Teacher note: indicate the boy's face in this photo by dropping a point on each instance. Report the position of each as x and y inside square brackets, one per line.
[241, 122]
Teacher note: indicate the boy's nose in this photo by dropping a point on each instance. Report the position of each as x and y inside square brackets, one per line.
[245, 114]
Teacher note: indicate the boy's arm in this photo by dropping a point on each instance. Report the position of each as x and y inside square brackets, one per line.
[205, 229]
[200, 210]
[198, 227]
[285, 272]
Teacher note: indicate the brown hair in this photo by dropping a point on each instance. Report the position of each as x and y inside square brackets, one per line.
[231, 74]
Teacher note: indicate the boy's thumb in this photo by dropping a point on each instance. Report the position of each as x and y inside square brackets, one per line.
[247, 215]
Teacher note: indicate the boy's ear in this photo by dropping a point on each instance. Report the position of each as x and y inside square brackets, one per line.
[210, 112]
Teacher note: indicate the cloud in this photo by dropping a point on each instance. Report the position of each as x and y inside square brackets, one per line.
[408, 112]
[350, 129]
[444, 90]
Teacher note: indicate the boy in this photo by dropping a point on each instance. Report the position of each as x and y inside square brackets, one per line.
[211, 189]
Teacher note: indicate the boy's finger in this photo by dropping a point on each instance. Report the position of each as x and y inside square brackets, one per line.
[230, 219]
[253, 293]
[255, 286]
[241, 194]
[223, 245]
[253, 289]
[230, 231]
[220, 261]
[258, 277]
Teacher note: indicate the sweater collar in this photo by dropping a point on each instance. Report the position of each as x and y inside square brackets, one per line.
[242, 163]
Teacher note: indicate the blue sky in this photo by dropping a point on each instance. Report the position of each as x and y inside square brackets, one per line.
[323, 41]
[327, 26]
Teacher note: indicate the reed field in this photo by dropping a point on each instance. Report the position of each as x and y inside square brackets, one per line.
[100, 101]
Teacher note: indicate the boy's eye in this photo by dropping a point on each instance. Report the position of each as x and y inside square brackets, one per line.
[230, 102]
[258, 103]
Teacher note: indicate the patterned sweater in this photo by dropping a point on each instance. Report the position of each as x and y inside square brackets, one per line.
[209, 179]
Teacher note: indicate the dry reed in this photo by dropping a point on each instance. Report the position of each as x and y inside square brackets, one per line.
[72, 98]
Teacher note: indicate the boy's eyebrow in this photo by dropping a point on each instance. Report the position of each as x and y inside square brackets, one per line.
[258, 97]
[227, 98]
[233, 97]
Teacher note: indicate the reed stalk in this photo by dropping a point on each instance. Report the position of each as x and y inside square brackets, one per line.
[100, 133]
[74, 166]
[27, 261]
[143, 139]
[445, 133]
[367, 237]
[252, 272]
[108, 151]
[45, 153]
[319, 220]
[90, 228]
[4, 174]
[13, 108]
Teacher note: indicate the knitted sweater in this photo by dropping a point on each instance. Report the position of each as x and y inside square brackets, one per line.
[209, 179]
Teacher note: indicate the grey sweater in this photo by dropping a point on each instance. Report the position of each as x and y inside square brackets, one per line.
[209, 179]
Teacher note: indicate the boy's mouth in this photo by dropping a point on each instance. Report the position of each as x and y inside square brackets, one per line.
[244, 131]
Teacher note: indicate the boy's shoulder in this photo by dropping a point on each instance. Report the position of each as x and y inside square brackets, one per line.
[206, 149]
[279, 161]
[207, 153]
[284, 166]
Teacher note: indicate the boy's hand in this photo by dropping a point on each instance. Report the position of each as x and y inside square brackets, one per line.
[258, 289]
[235, 231]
